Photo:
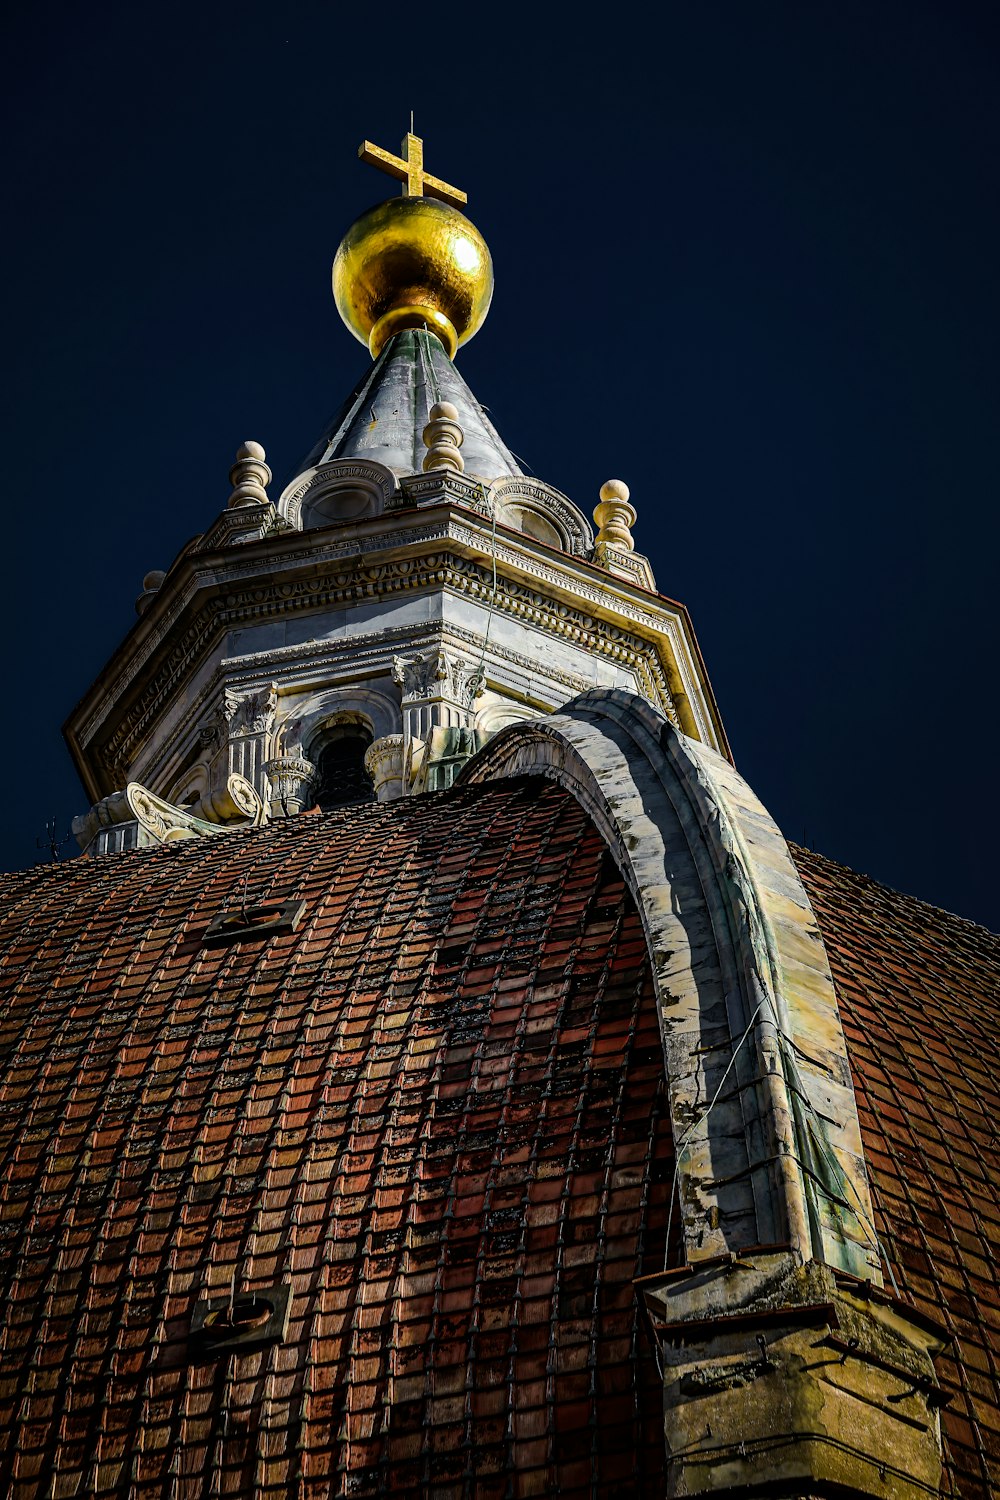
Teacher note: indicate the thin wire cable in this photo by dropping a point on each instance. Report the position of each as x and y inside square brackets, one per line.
[866, 1219]
[431, 385]
[696, 1124]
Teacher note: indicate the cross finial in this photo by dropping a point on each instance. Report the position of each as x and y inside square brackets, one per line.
[408, 167]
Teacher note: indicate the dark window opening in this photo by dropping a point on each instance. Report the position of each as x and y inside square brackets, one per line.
[340, 775]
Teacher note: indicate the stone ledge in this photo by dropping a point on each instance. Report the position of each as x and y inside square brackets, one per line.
[789, 1378]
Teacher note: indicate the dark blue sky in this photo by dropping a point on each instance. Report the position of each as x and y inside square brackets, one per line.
[746, 258]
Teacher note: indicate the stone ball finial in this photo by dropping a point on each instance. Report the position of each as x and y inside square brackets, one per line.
[249, 476]
[444, 437]
[150, 585]
[614, 516]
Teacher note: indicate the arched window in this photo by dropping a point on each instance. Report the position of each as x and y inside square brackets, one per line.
[338, 753]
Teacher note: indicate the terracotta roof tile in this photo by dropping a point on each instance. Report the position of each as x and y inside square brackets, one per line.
[919, 993]
[435, 1109]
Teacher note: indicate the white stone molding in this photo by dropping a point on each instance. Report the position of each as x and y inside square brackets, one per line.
[342, 490]
[653, 642]
[323, 589]
[377, 708]
[748, 1013]
[532, 495]
[385, 761]
[439, 690]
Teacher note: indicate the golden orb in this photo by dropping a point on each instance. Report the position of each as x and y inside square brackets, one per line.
[413, 263]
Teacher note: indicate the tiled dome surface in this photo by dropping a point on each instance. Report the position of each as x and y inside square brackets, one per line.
[436, 1110]
[919, 994]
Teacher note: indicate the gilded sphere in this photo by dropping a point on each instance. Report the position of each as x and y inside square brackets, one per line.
[413, 263]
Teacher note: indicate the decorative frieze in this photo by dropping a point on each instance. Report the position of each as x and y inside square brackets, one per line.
[333, 586]
[463, 575]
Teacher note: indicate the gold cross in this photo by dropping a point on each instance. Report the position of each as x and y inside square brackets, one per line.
[408, 167]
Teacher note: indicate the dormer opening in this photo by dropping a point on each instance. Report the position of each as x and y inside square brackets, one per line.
[338, 753]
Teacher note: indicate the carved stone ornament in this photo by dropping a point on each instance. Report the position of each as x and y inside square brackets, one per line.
[290, 777]
[443, 438]
[341, 585]
[615, 516]
[385, 763]
[314, 493]
[159, 821]
[232, 800]
[439, 675]
[104, 814]
[444, 484]
[167, 823]
[249, 476]
[250, 713]
[548, 502]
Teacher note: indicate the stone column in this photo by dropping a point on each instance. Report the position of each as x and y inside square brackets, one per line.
[247, 720]
[384, 762]
[290, 777]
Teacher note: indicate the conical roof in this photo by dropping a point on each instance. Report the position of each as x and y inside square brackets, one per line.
[385, 417]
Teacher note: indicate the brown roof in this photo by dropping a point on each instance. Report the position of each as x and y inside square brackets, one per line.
[919, 993]
[436, 1109]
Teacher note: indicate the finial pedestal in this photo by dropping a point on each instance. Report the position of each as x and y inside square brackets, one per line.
[444, 437]
[614, 546]
[249, 476]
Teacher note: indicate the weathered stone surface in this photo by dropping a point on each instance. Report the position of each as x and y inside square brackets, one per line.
[764, 1116]
[789, 1378]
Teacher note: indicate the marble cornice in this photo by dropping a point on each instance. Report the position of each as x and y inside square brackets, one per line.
[444, 546]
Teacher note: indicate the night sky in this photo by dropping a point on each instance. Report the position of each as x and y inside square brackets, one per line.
[747, 259]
